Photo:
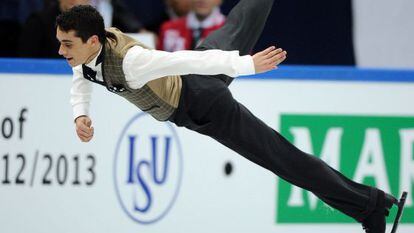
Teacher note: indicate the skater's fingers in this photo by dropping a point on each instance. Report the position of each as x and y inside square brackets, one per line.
[88, 139]
[280, 61]
[83, 134]
[282, 58]
[278, 58]
[274, 53]
[83, 128]
[85, 138]
[275, 64]
[266, 51]
[262, 55]
[82, 137]
[88, 122]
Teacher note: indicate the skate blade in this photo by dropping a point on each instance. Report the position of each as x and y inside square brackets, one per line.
[401, 204]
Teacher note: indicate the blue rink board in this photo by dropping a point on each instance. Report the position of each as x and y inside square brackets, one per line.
[327, 73]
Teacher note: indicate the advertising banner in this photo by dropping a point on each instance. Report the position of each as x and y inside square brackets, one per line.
[141, 175]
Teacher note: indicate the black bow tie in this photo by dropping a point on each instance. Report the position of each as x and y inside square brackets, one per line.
[88, 73]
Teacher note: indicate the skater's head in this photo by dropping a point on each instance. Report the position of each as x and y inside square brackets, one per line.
[203, 8]
[81, 32]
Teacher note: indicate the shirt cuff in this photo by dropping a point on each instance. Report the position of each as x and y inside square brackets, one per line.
[246, 66]
[80, 110]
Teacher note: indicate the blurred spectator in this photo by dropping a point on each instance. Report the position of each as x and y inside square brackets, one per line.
[12, 14]
[18, 10]
[38, 36]
[152, 13]
[178, 8]
[116, 14]
[187, 32]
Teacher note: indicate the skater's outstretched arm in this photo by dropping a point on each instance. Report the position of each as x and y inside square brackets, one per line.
[153, 64]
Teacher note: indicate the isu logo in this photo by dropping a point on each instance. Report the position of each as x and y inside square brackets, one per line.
[147, 169]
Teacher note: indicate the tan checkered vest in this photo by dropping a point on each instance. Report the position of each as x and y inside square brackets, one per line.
[159, 97]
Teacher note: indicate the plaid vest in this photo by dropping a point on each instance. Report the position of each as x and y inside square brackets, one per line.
[158, 97]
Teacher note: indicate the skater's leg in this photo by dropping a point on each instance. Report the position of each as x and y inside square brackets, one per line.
[242, 29]
[233, 125]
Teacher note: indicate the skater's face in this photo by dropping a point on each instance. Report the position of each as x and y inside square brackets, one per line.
[205, 7]
[74, 50]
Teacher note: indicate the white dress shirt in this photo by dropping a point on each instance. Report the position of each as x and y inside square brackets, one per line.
[142, 65]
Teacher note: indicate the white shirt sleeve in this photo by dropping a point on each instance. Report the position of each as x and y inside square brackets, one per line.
[80, 93]
[143, 65]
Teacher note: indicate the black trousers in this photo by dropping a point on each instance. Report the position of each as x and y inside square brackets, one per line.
[207, 106]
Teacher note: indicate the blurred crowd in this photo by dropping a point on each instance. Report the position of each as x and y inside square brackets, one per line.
[29, 28]
[311, 36]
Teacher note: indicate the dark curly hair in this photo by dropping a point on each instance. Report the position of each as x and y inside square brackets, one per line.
[84, 20]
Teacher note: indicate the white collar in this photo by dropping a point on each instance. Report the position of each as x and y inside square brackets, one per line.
[215, 18]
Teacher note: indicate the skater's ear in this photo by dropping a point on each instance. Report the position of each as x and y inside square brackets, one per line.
[93, 40]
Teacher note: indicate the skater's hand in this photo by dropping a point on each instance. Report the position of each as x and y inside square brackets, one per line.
[83, 128]
[268, 59]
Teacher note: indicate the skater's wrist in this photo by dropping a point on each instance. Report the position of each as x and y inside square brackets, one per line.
[246, 66]
[80, 110]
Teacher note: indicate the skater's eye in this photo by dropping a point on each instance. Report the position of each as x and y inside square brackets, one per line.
[68, 45]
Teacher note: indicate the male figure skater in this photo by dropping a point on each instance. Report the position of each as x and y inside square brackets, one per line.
[190, 89]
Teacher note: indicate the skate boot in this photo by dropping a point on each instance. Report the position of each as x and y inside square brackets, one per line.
[375, 222]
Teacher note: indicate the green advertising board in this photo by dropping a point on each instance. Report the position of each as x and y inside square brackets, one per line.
[374, 150]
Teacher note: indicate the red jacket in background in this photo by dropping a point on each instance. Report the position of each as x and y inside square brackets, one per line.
[178, 34]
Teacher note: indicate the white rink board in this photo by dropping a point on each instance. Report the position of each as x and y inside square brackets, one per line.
[206, 201]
